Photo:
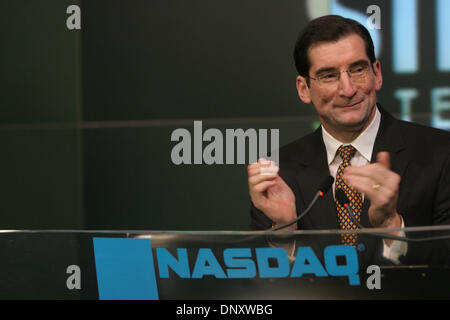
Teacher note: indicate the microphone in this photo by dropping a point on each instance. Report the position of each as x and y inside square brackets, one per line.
[321, 191]
[343, 200]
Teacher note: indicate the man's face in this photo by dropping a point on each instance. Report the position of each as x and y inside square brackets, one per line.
[346, 105]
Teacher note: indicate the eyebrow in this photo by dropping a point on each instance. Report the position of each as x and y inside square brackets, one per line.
[361, 62]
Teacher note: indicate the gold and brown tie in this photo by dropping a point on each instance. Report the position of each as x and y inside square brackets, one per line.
[345, 222]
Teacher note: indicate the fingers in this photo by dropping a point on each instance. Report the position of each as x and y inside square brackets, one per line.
[386, 191]
[260, 163]
[258, 178]
[375, 171]
[370, 177]
[262, 175]
[264, 167]
[383, 158]
[376, 180]
[378, 173]
[263, 186]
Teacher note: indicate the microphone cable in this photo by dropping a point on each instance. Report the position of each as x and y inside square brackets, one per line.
[322, 190]
[345, 202]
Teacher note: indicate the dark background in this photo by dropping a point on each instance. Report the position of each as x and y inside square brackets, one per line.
[86, 115]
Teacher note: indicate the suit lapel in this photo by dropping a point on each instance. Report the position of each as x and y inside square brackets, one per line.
[389, 138]
[312, 171]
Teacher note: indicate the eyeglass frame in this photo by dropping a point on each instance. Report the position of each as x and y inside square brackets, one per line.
[366, 67]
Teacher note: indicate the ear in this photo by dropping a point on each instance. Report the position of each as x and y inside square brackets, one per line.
[378, 75]
[303, 89]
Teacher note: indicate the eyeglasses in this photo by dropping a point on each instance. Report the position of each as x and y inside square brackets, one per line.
[357, 74]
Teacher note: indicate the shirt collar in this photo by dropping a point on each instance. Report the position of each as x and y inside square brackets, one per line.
[363, 143]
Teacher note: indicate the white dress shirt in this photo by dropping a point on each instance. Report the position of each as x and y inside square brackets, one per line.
[363, 144]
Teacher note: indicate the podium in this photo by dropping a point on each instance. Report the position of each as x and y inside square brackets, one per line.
[222, 265]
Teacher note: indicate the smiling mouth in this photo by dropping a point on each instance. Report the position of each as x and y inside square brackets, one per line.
[350, 105]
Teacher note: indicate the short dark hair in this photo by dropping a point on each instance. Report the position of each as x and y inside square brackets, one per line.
[328, 29]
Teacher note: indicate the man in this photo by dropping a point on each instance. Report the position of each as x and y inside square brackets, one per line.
[396, 174]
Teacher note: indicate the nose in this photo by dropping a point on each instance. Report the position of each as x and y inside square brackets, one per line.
[346, 86]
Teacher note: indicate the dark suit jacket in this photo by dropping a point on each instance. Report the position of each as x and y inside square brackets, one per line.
[419, 154]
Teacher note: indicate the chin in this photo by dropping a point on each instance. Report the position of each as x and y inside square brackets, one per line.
[353, 123]
[357, 118]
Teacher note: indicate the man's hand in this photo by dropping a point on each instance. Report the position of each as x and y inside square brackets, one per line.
[381, 186]
[270, 193]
